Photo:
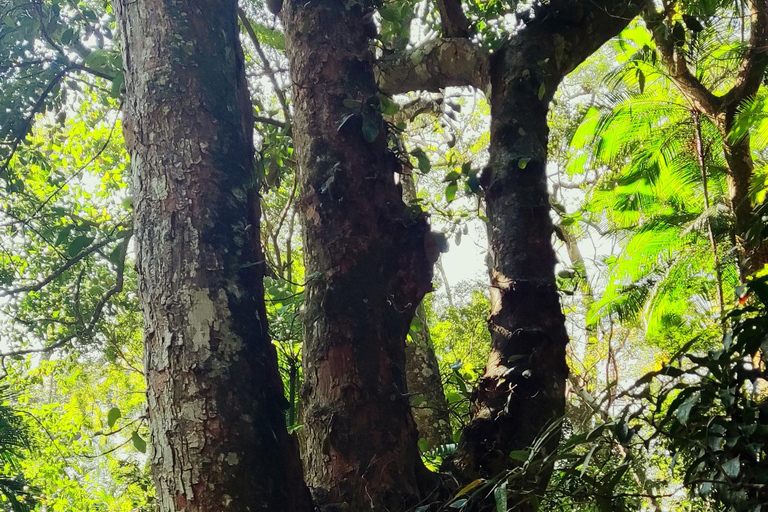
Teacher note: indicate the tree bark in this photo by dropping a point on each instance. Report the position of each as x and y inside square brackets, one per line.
[425, 387]
[216, 404]
[422, 371]
[366, 261]
[522, 390]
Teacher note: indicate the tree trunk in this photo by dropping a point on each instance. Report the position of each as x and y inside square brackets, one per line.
[365, 257]
[425, 386]
[752, 250]
[522, 390]
[422, 371]
[216, 404]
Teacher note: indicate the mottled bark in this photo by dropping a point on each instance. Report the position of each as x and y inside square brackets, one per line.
[433, 66]
[422, 371]
[522, 390]
[366, 264]
[216, 404]
[425, 386]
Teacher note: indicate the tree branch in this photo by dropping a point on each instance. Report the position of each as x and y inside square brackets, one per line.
[753, 65]
[694, 91]
[435, 65]
[265, 63]
[67, 265]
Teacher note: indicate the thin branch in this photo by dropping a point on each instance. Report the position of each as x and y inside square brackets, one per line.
[28, 121]
[265, 63]
[69, 263]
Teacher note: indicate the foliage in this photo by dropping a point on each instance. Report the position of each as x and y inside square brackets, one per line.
[710, 409]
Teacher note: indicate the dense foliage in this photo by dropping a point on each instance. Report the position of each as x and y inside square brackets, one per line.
[668, 398]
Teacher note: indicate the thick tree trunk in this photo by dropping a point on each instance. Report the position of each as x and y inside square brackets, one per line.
[216, 404]
[365, 257]
[425, 387]
[522, 390]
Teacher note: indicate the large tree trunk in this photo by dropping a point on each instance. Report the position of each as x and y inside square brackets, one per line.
[522, 390]
[365, 257]
[216, 404]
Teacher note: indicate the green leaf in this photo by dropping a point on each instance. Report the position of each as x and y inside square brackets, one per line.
[523, 162]
[350, 103]
[117, 84]
[459, 503]
[641, 80]
[113, 415]
[542, 91]
[450, 191]
[63, 235]
[521, 455]
[684, 411]
[423, 160]
[370, 129]
[732, 467]
[451, 177]
[473, 184]
[139, 443]
[500, 497]
[78, 244]
[388, 107]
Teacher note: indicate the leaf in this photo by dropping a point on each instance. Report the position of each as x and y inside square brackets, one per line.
[370, 129]
[641, 80]
[139, 443]
[473, 184]
[113, 415]
[63, 235]
[521, 455]
[542, 91]
[467, 488]
[424, 164]
[585, 464]
[117, 84]
[523, 162]
[450, 191]
[683, 412]
[350, 103]
[78, 244]
[451, 176]
[500, 497]
[732, 467]
[388, 107]
[459, 503]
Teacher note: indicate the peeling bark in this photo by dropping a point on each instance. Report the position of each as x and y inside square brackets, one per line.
[216, 411]
[366, 264]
